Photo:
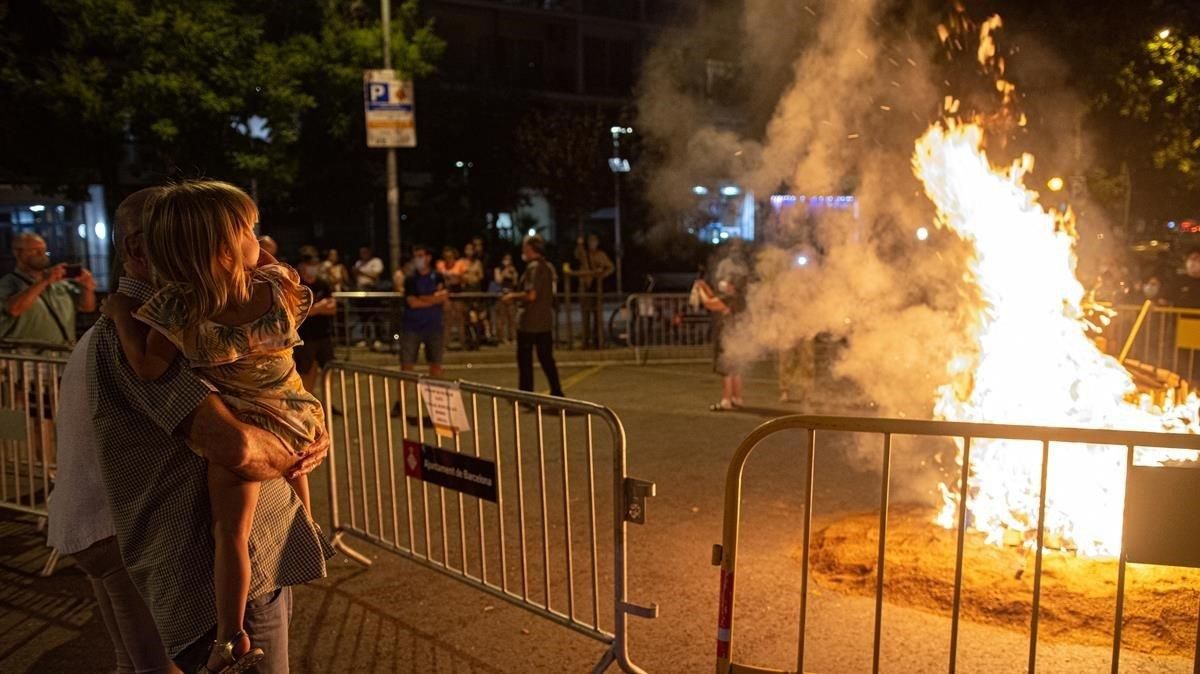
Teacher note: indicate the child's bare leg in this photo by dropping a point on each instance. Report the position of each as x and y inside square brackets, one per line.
[232, 501]
[300, 486]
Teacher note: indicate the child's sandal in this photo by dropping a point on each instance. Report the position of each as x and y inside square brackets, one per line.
[231, 664]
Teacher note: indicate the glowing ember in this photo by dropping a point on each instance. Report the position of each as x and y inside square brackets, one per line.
[1033, 362]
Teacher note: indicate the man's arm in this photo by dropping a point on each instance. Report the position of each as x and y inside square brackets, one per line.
[87, 291]
[248, 451]
[604, 267]
[20, 302]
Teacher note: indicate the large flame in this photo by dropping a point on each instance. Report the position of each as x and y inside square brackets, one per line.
[1032, 362]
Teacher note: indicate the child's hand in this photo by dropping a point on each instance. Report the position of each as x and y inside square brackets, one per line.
[117, 305]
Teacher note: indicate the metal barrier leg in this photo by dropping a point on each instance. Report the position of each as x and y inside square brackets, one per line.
[339, 544]
[51, 563]
[606, 661]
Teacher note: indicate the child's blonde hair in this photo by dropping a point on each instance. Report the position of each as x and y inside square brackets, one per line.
[193, 226]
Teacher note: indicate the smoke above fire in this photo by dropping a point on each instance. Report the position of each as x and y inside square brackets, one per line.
[831, 96]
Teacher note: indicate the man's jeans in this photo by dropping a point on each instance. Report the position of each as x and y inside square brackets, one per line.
[267, 619]
[135, 638]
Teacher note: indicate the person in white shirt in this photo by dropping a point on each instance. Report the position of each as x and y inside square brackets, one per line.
[367, 270]
[80, 521]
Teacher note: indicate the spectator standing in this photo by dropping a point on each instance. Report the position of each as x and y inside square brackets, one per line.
[334, 273]
[367, 270]
[478, 326]
[535, 326]
[317, 330]
[594, 266]
[1152, 290]
[725, 305]
[504, 281]
[1186, 292]
[40, 299]
[452, 268]
[425, 296]
[80, 521]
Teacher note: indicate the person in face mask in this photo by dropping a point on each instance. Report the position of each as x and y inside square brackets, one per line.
[424, 298]
[1152, 290]
[1187, 289]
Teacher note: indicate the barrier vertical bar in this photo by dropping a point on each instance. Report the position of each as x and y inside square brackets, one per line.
[500, 495]
[424, 484]
[391, 450]
[362, 458]
[884, 495]
[375, 451]
[521, 500]
[349, 455]
[30, 429]
[479, 501]
[810, 465]
[408, 506]
[956, 610]
[1037, 565]
[541, 454]
[567, 518]
[1122, 560]
[591, 470]
[331, 460]
[462, 520]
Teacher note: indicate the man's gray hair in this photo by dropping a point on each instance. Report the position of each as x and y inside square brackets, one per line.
[23, 238]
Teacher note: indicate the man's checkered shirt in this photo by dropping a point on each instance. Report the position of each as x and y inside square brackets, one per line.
[157, 489]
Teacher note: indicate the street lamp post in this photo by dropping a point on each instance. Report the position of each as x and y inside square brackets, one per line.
[393, 183]
[618, 165]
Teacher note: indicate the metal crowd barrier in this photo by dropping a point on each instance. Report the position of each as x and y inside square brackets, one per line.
[1156, 526]
[658, 320]
[373, 318]
[1157, 337]
[538, 541]
[28, 407]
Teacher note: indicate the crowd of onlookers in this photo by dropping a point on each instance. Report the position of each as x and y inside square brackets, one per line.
[473, 275]
[1163, 285]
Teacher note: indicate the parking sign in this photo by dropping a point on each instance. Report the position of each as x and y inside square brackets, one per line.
[389, 107]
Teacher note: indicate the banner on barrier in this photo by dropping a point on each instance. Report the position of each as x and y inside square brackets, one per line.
[467, 474]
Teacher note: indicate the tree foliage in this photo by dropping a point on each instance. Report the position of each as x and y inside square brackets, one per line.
[224, 88]
[1161, 87]
[564, 154]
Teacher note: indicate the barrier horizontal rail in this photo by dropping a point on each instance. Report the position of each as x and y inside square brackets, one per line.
[28, 407]
[474, 319]
[546, 454]
[725, 553]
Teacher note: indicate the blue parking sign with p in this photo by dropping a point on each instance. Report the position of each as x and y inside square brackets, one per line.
[377, 92]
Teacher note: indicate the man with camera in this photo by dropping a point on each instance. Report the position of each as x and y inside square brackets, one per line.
[40, 299]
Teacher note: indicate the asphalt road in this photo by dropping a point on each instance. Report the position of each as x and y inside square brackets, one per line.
[397, 616]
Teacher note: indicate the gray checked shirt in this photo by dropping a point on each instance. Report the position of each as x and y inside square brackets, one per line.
[157, 489]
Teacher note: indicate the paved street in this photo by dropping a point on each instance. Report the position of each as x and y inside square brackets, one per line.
[398, 616]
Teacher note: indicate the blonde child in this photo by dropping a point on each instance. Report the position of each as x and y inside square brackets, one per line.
[232, 311]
